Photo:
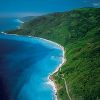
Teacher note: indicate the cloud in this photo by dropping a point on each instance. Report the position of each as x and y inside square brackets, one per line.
[92, 3]
[96, 4]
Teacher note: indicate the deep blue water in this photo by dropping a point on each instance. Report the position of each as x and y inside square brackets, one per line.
[25, 64]
[7, 24]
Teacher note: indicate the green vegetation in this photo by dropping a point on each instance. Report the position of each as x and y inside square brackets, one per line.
[79, 32]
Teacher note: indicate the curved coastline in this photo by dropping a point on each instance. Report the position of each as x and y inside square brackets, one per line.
[51, 82]
[63, 60]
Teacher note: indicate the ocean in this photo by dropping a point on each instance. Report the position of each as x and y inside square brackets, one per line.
[7, 24]
[25, 64]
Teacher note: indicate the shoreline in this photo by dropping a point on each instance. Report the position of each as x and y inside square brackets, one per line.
[63, 60]
[54, 85]
[50, 80]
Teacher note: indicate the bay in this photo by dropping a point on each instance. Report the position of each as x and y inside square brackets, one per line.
[25, 64]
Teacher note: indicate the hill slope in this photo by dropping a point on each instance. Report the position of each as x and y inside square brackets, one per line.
[26, 19]
[79, 32]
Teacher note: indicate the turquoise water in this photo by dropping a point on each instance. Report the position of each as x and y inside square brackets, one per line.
[25, 64]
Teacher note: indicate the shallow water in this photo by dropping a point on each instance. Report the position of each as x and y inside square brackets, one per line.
[25, 64]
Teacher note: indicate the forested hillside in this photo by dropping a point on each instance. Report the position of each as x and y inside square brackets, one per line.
[79, 32]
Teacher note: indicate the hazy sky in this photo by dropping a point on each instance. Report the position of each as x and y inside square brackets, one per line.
[38, 7]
